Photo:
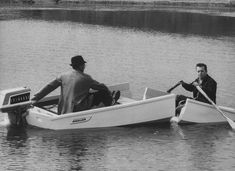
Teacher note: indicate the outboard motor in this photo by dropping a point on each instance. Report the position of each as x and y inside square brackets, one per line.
[15, 102]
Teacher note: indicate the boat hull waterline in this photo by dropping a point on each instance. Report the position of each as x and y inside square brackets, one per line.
[156, 106]
[202, 113]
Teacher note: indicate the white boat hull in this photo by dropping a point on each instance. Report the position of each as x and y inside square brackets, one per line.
[156, 106]
[126, 113]
[198, 112]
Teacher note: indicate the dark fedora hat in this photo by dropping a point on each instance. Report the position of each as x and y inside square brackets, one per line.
[77, 60]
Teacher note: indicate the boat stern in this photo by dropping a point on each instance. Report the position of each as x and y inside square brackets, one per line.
[15, 102]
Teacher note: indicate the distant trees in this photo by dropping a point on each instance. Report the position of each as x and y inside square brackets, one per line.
[18, 1]
[57, 1]
[28, 1]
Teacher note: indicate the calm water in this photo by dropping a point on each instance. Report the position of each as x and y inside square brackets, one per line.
[145, 48]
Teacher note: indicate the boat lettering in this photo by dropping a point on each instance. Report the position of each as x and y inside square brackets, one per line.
[80, 120]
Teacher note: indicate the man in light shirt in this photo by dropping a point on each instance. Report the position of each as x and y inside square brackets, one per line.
[75, 86]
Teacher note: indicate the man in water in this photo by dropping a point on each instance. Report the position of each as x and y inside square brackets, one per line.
[75, 86]
[207, 84]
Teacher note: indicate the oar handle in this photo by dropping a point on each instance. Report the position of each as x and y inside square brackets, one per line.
[205, 95]
[172, 88]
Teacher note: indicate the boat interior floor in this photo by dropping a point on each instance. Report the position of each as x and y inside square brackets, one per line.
[122, 100]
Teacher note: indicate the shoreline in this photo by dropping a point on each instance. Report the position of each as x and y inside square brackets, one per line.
[122, 5]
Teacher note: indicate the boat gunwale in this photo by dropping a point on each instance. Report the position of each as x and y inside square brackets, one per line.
[226, 109]
[184, 122]
[109, 108]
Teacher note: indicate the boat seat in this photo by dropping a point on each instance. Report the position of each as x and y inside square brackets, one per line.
[150, 93]
[123, 100]
[52, 108]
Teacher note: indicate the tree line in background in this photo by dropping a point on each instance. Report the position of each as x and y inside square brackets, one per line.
[194, 3]
[26, 1]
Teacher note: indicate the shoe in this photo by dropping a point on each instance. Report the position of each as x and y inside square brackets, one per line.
[116, 96]
[113, 92]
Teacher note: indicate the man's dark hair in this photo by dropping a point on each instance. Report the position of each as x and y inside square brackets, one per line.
[202, 65]
[77, 67]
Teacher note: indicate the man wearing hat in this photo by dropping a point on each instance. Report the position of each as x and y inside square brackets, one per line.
[75, 86]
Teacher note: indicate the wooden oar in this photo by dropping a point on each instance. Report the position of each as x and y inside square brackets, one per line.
[230, 121]
[172, 88]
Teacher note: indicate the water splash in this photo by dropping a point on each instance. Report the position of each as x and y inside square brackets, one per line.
[4, 121]
[176, 128]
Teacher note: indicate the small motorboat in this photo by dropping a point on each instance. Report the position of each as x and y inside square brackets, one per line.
[155, 107]
[203, 113]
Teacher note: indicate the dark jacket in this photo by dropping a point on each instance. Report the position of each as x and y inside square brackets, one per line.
[208, 85]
